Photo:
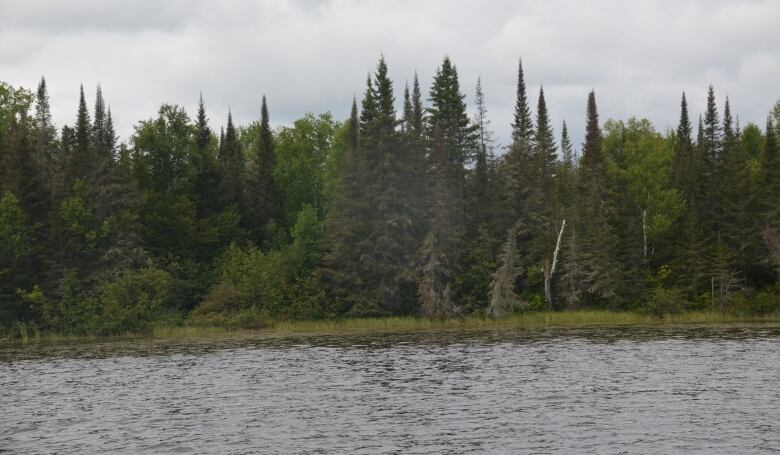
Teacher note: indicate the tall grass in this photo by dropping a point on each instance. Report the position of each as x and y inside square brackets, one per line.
[23, 333]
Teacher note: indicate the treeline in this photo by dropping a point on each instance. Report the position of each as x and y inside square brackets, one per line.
[387, 213]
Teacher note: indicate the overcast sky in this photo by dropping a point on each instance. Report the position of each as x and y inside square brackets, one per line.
[313, 55]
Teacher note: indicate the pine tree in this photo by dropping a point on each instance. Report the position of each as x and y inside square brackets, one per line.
[738, 233]
[418, 112]
[207, 182]
[264, 198]
[689, 178]
[99, 134]
[567, 286]
[768, 187]
[387, 267]
[684, 168]
[231, 161]
[81, 159]
[436, 252]
[711, 147]
[348, 228]
[594, 233]
[448, 110]
[45, 152]
[522, 126]
[481, 204]
[567, 151]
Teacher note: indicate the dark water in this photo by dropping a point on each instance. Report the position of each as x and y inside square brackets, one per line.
[633, 390]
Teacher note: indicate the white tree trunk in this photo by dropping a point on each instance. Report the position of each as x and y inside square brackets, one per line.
[549, 270]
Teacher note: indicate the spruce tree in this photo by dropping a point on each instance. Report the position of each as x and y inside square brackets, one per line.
[207, 179]
[347, 229]
[388, 266]
[81, 159]
[567, 150]
[99, 133]
[436, 252]
[768, 188]
[596, 265]
[45, 151]
[689, 168]
[737, 230]
[418, 112]
[264, 198]
[231, 161]
[448, 110]
[522, 126]
[480, 193]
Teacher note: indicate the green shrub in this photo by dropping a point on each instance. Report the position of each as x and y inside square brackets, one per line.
[665, 301]
[132, 302]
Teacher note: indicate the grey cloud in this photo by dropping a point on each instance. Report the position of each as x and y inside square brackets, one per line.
[313, 55]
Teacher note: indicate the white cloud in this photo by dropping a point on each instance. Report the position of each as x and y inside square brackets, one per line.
[312, 55]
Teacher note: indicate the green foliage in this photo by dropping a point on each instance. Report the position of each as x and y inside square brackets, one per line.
[381, 215]
[301, 155]
[133, 302]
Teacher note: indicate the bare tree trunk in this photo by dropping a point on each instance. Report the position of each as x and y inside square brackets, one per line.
[549, 270]
[644, 232]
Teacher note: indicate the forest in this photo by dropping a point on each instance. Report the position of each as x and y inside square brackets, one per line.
[385, 213]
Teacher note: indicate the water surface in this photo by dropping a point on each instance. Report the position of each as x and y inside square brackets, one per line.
[680, 389]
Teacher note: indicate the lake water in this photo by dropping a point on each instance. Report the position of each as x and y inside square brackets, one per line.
[641, 390]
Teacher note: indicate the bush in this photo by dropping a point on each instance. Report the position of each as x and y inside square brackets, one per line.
[763, 302]
[132, 302]
[665, 301]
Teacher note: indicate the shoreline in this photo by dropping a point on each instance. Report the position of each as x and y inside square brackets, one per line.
[396, 324]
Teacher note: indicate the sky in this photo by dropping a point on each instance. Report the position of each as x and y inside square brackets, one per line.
[313, 55]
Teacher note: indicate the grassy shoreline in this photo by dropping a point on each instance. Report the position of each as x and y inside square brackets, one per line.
[582, 318]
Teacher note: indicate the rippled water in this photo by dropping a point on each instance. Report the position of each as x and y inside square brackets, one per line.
[631, 390]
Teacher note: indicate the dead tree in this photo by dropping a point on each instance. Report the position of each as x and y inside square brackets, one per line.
[502, 288]
[772, 240]
[549, 269]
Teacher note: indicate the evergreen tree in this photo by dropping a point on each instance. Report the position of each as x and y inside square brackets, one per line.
[347, 228]
[207, 183]
[768, 193]
[522, 126]
[567, 151]
[99, 127]
[544, 171]
[436, 252]
[388, 272]
[45, 152]
[737, 227]
[264, 198]
[594, 233]
[448, 110]
[81, 159]
[689, 179]
[231, 160]
[711, 144]
[567, 286]
[418, 112]
[481, 204]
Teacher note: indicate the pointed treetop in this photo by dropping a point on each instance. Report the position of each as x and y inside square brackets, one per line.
[712, 128]
[567, 151]
[522, 126]
[353, 126]
[728, 122]
[591, 148]
[544, 139]
[202, 124]
[408, 110]
[684, 128]
[417, 107]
